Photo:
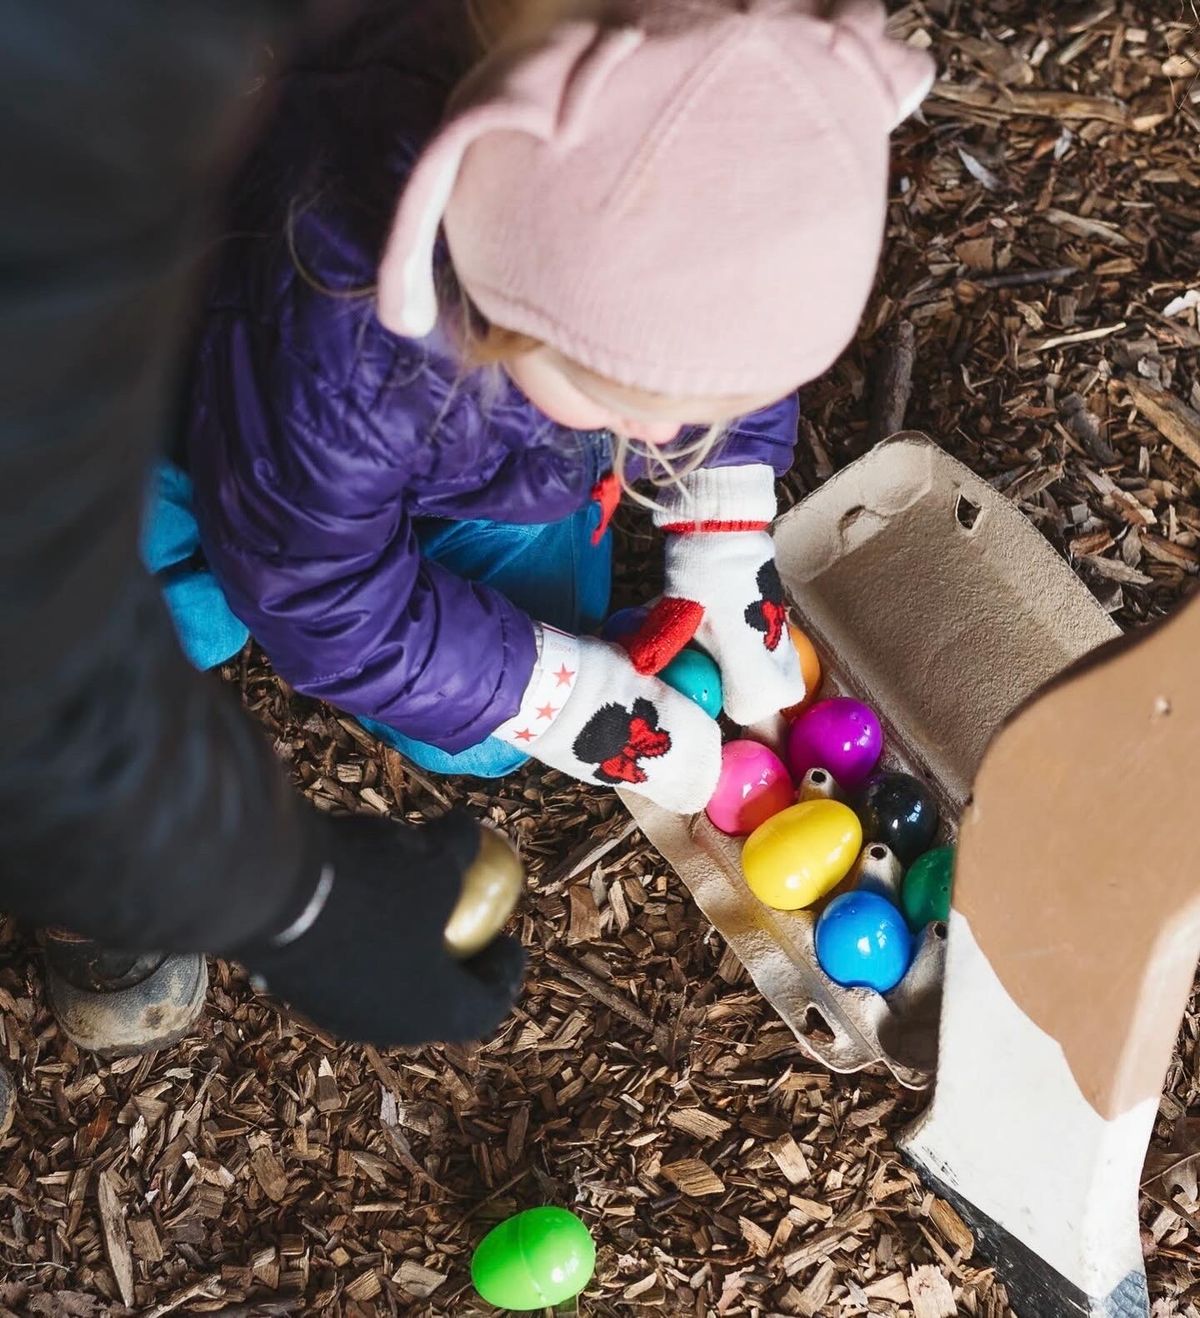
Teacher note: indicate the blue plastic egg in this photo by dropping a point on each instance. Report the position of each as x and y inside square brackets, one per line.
[624, 622]
[693, 674]
[863, 942]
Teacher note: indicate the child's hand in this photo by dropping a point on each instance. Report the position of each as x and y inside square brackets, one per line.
[364, 953]
[589, 713]
[721, 560]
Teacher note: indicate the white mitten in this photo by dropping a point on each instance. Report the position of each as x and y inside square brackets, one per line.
[589, 713]
[723, 590]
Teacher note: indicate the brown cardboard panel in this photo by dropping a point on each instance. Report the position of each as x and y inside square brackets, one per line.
[1095, 930]
[931, 597]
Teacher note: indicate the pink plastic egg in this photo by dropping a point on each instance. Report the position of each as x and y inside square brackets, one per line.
[754, 785]
[841, 735]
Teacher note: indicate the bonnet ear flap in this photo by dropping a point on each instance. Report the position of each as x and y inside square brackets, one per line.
[906, 74]
[541, 91]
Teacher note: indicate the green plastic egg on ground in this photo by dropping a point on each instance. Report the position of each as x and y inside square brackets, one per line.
[801, 853]
[925, 894]
[693, 674]
[535, 1260]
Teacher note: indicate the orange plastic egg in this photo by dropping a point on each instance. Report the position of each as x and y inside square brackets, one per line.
[810, 669]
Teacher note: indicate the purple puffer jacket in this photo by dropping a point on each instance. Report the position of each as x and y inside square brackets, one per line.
[317, 437]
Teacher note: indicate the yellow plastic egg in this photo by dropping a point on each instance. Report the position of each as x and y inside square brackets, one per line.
[796, 856]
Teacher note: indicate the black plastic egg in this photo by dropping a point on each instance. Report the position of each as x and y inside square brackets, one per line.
[899, 811]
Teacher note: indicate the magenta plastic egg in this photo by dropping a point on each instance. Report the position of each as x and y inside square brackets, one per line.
[841, 735]
[754, 785]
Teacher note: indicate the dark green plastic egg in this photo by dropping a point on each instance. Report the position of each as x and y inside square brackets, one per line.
[925, 893]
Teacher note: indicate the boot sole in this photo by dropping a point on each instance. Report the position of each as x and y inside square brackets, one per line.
[158, 1012]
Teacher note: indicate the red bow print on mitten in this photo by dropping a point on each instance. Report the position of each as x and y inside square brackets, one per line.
[768, 613]
[617, 739]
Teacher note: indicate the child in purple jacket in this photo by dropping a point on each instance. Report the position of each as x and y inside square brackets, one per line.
[453, 314]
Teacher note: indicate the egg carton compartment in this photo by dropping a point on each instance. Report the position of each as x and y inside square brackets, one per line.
[930, 597]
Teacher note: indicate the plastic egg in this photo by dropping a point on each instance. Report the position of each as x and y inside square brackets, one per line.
[754, 785]
[624, 622]
[797, 855]
[810, 670]
[693, 674]
[841, 735]
[925, 894]
[535, 1260]
[899, 811]
[863, 942]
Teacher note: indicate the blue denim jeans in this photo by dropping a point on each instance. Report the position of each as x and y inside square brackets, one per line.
[551, 570]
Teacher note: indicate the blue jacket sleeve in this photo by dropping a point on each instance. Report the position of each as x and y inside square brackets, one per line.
[307, 525]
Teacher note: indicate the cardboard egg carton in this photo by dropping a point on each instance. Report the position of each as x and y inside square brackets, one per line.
[932, 598]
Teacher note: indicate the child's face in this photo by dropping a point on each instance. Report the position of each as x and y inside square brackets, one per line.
[576, 398]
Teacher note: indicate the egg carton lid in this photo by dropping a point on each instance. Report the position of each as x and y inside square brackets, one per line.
[932, 598]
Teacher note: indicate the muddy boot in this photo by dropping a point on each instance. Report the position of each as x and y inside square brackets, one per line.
[120, 1003]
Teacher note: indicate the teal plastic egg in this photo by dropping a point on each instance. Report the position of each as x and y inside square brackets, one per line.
[693, 674]
[534, 1260]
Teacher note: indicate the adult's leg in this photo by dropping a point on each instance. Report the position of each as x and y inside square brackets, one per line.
[138, 804]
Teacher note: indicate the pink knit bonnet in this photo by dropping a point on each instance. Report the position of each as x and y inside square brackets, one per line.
[690, 201]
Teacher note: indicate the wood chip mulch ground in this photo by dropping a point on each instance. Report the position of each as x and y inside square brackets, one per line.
[1041, 283]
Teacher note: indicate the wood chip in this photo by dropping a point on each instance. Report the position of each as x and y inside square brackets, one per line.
[697, 1122]
[417, 1281]
[816, 1294]
[1077, 336]
[268, 1170]
[825, 1242]
[1114, 569]
[116, 1236]
[1086, 227]
[952, 1227]
[366, 1286]
[1174, 420]
[693, 1177]
[205, 1288]
[144, 1239]
[327, 1097]
[611, 999]
[893, 1288]
[584, 926]
[754, 1236]
[809, 1210]
[1042, 105]
[790, 1160]
[930, 1294]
